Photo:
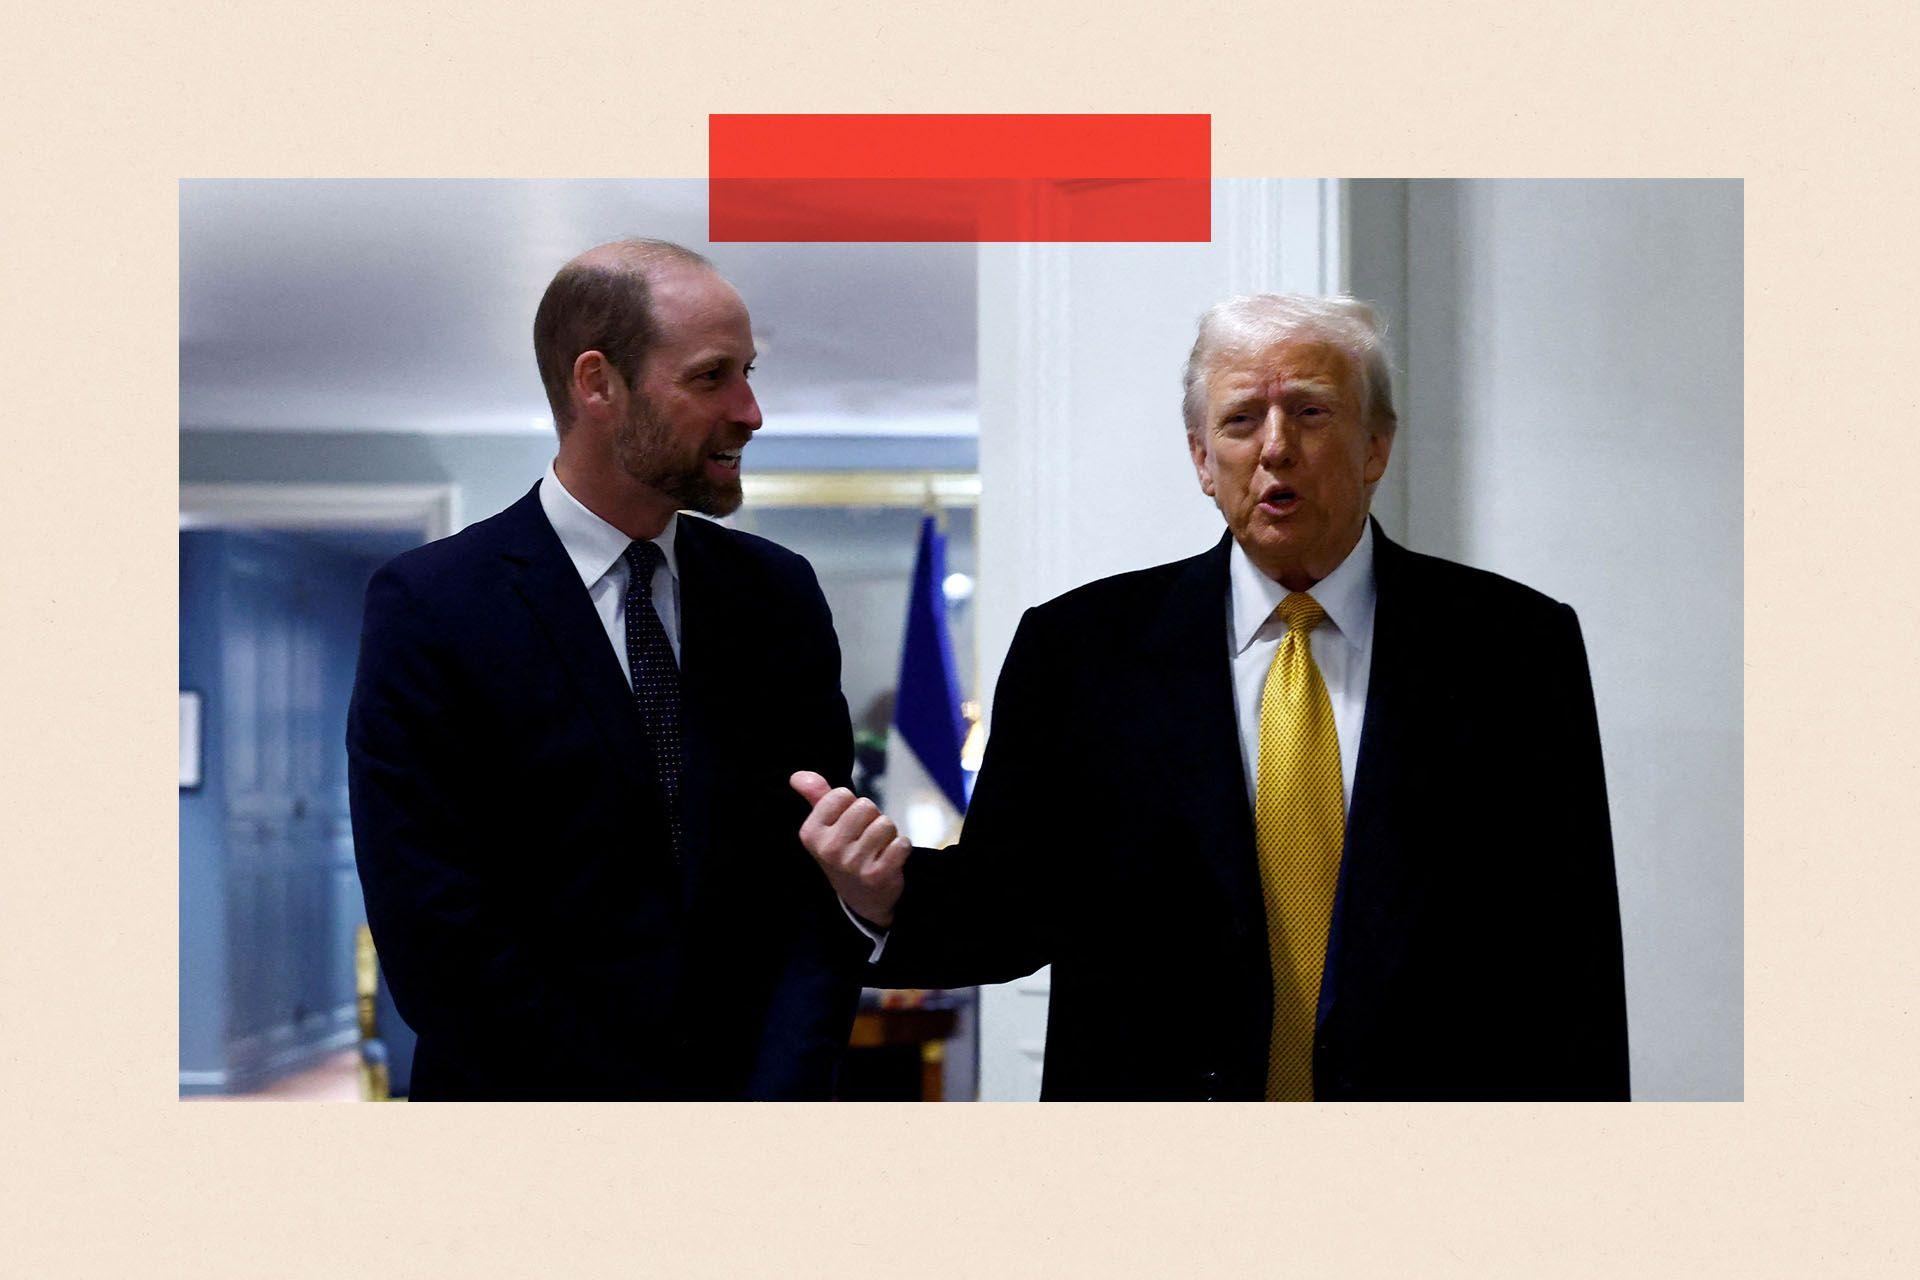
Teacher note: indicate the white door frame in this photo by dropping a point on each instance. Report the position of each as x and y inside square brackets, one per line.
[430, 510]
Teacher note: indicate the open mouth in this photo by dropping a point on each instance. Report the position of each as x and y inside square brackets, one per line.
[725, 459]
[1280, 500]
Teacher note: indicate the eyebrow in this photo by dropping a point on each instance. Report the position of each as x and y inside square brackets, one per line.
[716, 355]
[1320, 387]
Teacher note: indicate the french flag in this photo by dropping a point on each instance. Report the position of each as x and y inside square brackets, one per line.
[926, 786]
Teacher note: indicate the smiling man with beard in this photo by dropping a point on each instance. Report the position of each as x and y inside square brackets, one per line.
[568, 748]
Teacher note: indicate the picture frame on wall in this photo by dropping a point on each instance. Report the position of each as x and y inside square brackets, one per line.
[190, 740]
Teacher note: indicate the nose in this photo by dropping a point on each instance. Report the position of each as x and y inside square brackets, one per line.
[747, 411]
[1276, 441]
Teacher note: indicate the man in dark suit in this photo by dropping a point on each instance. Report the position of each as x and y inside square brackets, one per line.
[569, 740]
[1307, 816]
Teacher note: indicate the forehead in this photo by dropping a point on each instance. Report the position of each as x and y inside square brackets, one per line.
[1289, 364]
[693, 309]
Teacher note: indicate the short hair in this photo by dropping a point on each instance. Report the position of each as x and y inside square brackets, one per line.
[1253, 322]
[601, 301]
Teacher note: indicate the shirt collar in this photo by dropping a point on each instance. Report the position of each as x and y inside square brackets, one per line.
[1347, 594]
[591, 543]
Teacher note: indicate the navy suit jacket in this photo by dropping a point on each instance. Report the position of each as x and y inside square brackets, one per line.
[508, 826]
[1475, 944]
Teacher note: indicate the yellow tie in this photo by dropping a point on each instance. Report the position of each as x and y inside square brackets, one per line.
[1300, 821]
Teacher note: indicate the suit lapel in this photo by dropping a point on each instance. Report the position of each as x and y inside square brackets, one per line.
[1188, 696]
[712, 622]
[542, 575]
[1382, 875]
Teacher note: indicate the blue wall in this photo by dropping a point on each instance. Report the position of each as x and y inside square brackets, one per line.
[269, 628]
[203, 943]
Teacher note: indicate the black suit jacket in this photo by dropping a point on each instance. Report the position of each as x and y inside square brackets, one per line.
[530, 918]
[1475, 943]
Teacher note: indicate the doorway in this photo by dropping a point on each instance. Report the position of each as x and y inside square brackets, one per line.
[271, 584]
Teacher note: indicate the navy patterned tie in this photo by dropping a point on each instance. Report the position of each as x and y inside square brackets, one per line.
[656, 680]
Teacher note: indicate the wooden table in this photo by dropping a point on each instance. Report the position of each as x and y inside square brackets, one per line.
[925, 1028]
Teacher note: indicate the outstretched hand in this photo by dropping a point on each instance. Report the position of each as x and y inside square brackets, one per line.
[858, 847]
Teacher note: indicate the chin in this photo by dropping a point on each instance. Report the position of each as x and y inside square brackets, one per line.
[1277, 539]
[697, 493]
[722, 502]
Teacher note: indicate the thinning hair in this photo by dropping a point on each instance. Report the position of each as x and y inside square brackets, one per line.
[601, 301]
[1250, 323]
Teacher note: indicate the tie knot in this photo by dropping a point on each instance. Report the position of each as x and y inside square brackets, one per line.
[1301, 613]
[643, 558]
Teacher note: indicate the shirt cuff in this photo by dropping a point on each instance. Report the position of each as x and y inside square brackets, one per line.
[878, 936]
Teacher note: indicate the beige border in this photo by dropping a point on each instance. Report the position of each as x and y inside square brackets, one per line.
[106, 1174]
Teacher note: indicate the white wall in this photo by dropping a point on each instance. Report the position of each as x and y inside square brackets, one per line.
[1376, 262]
[1572, 419]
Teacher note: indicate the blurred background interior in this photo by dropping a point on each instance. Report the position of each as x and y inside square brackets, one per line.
[356, 376]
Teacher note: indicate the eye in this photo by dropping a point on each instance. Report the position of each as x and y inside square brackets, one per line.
[748, 371]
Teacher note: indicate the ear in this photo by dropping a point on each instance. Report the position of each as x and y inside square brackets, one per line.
[597, 386]
[1379, 447]
[1202, 463]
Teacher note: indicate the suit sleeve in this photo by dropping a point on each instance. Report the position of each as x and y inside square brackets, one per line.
[815, 995]
[985, 909]
[445, 937]
[1584, 1029]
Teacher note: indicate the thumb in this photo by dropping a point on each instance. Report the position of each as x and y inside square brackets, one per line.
[811, 786]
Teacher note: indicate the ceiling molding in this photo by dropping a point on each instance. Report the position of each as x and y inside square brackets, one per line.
[434, 509]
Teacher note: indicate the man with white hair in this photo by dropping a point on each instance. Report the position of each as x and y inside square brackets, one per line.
[1307, 816]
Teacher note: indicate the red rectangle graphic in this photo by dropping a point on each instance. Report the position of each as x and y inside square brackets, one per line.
[959, 178]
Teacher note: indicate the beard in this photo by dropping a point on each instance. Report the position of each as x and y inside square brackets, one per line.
[644, 447]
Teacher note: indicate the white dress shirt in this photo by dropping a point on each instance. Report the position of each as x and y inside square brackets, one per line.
[598, 551]
[1342, 648]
